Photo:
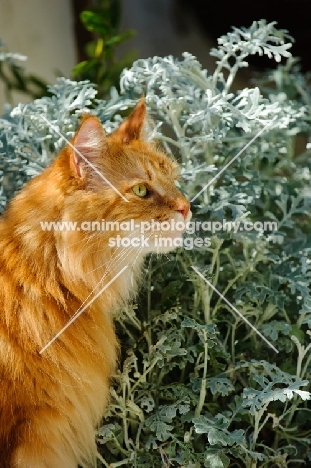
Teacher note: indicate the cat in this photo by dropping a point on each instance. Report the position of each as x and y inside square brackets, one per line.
[53, 394]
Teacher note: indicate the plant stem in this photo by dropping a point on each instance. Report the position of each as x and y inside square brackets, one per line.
[143, 376]
[203, 383]
[120, 463]
[257, 426]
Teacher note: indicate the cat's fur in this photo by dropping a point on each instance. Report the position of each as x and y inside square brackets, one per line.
[50, 403]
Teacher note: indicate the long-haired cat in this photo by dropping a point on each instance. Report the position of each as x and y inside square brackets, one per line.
[52, 397]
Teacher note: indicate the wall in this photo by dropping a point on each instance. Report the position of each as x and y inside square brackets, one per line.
[42, 30]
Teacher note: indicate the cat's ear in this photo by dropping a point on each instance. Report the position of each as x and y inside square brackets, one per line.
[88, 143]
[132, 128]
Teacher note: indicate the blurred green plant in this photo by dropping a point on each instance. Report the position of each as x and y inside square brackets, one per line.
[102, 66]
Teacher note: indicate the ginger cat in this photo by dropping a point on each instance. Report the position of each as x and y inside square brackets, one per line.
[52, 397]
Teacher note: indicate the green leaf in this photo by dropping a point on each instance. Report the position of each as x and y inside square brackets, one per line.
[274, 328]
[214, 458]
[216, 430]
[216, 436]
[207, 333]
[257, 399]
[94, 22]
[120, 38]
[162, 430]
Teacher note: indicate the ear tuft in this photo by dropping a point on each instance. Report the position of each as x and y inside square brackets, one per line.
[131, 129]
[88, 142]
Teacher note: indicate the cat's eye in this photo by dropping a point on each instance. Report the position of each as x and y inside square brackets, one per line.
[140, 190]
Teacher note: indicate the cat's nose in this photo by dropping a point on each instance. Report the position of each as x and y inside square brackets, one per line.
[183, 208]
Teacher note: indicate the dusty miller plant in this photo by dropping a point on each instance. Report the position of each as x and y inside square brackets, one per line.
[197, 387]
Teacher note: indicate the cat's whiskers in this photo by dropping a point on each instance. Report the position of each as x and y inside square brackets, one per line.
[122, 254]
[158, 252]
[113, 258]
[86, 239]
[90, 237]
[135, 260]
[93, 290]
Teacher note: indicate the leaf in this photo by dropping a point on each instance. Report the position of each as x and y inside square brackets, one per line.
[207, 333]
[220, 385]
[120, 38]
[214, 458]
[147, 403]
[256, 399]
[94, 22]
[274, 328]
[162, 430]
[303, 394]
[183, 409]
[83, 67]
[260, 293]
[158, 422]
[215, 436]
[216, 430]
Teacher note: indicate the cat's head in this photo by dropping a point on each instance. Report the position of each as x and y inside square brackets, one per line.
[131, 181]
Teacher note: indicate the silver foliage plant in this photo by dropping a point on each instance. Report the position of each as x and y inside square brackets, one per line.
[196, 386]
